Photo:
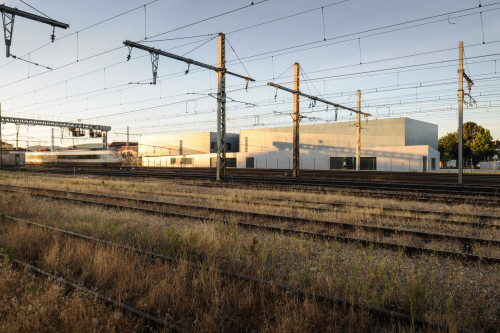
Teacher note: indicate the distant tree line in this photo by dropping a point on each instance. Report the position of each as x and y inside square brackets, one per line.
[477, 144]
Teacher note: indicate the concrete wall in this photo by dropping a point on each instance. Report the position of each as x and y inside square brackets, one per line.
[420, 133]
[398, 144]
[491, 165]
[175, 144]
[183, 144]
[232, 141]
[335, 136]
[199, 160]
[408, 158]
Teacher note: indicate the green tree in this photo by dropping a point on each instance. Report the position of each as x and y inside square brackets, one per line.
[482, 146]
[448, 146]
[477, 141]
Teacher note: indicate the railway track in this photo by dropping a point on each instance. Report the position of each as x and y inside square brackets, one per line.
[110, 202]
[445, 178]
[378, 312]
[449, 194]
[157, 322]
[336, 207]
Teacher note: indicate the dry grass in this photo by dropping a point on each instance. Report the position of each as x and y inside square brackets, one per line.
[192, 298]
[463, 295]
[31, 304]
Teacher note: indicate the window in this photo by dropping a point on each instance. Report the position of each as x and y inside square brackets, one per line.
[231, 162]
[368, 163]
[250, 162]
[187, 161]
[213, 145]
[228, 145]
[246, 144]
[335, 163]
[173, 160]
[433, 164]
[349, 163]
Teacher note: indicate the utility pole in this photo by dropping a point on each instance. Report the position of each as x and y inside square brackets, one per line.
[460, 110]
[296, 121]
[128, 159]
[358, 134]
[52, 140]
[8, 16]
[296, 114]
[17, 136]
[221, 110]
[221, 95]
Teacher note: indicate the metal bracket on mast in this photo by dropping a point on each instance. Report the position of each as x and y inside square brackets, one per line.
[8, 15]
[154, 63]
[8, 27]
[221, 94]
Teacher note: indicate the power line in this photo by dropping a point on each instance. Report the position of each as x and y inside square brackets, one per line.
[208, 19]
[284, 17]
[36, 9]
[83, 29]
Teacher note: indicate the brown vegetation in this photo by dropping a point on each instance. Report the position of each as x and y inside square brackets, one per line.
[32, 304]
[462, 295]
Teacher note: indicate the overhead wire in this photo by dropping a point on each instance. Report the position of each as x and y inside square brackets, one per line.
[83, 29]
[238, 57]
[208, 19]
[241, 62]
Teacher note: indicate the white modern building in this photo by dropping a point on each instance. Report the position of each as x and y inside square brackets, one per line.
[400, 144]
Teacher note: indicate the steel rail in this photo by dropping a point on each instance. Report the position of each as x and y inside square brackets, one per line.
[272, 202]
[299, 204]
[108, 300]
[377, 311]
[419, 192]
[339, 224]
[415, 192]
[409, 250]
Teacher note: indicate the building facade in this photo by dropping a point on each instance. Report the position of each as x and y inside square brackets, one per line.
[400, 144]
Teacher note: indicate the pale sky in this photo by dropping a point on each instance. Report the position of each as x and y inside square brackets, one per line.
[402, 55]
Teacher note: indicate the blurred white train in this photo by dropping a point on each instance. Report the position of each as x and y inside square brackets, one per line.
[74, 158]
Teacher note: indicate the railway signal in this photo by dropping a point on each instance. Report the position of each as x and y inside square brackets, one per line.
[221, 95]
[297, 117]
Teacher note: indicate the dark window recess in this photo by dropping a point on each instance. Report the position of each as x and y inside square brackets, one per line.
[173, 160]
[231, 162]
[335, 163]
[349, 163]
[433, 164]
[228, 145]
[213, 145]
[368, 163]
[343, 163]
[187, 160]
[250, 163]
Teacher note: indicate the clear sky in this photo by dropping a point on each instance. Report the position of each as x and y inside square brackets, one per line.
[402, 55]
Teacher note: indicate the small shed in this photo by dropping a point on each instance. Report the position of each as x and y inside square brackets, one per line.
[12, 157]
